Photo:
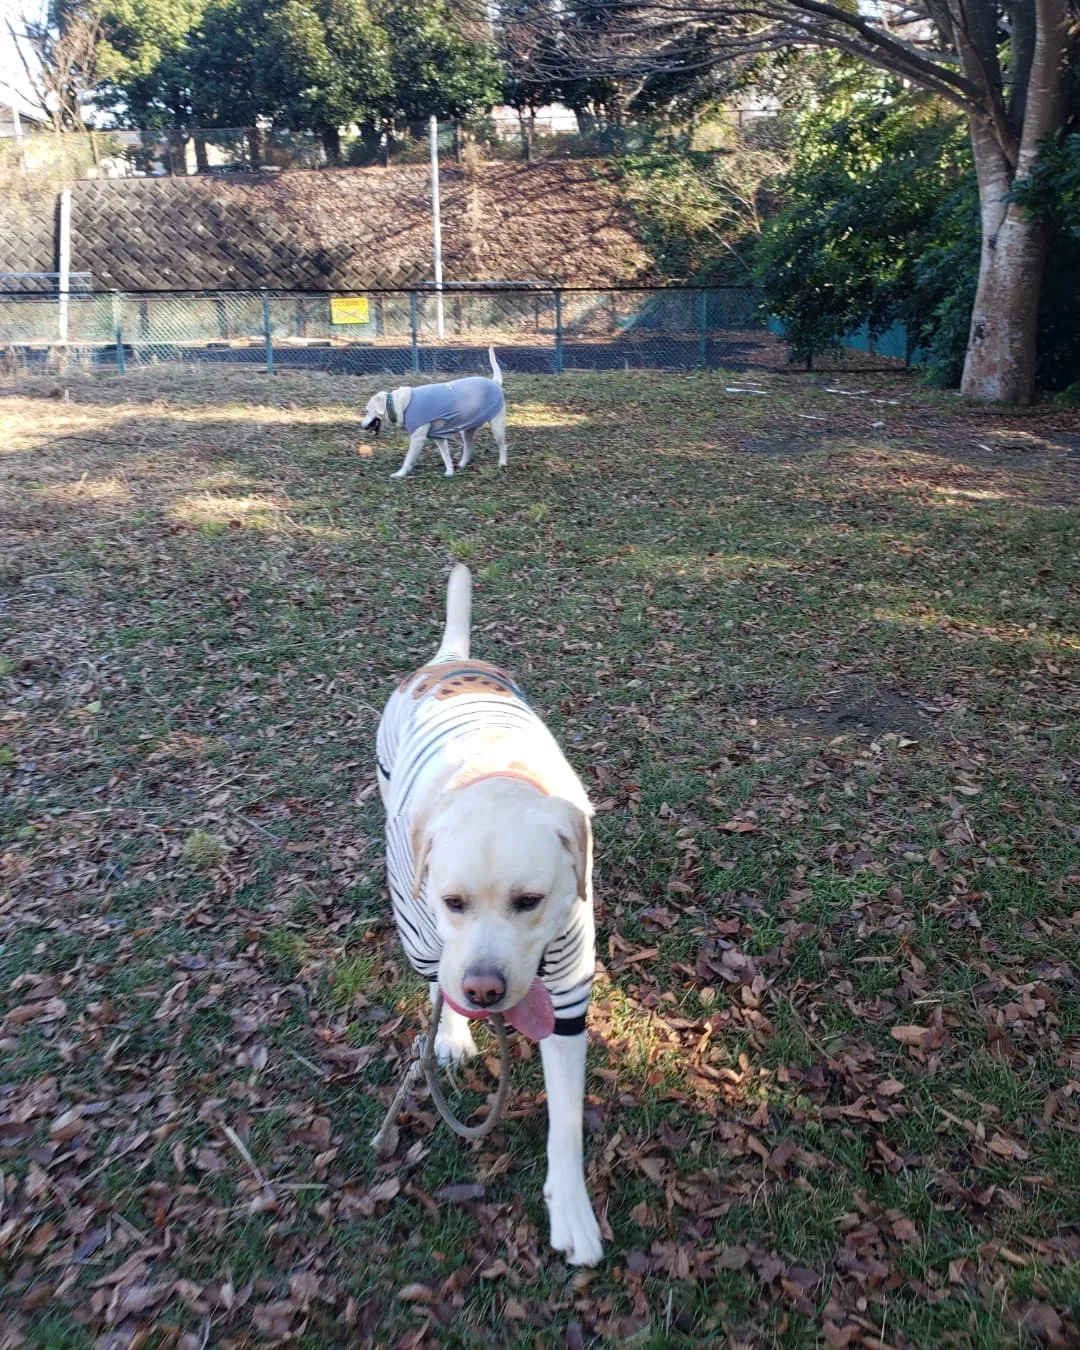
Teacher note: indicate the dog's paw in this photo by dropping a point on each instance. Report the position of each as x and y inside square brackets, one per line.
[449, 473]
[400, 474]
[574, 1230]
[454, 1042]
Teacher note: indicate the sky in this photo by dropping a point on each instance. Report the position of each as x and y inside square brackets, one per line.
[13, 82]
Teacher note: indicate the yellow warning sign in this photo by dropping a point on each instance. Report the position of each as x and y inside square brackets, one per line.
[352, 309]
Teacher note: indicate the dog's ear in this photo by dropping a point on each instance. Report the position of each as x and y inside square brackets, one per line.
[421, 836]
[575, 834]
[421, 851]
[378, 404]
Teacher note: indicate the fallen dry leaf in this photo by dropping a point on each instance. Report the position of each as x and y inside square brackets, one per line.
[416, 1293]
[461, 1193]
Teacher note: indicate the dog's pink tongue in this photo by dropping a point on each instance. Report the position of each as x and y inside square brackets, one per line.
[533, 1016]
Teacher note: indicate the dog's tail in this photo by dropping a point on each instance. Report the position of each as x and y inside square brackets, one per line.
[455, 639]
[496, 369]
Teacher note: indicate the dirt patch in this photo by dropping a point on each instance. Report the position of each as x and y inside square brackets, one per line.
[781, 447]
[1024, 441]
[865, 715]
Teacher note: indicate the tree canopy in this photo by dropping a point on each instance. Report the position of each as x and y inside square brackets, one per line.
[58, 49]
[1007, 65]
[301, 64]
[439, 64]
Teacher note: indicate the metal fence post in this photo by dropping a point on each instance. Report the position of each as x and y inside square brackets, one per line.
[558, 333]
[703, 329]
[413, 333]
[121, 366]
[266, 333]
[64, 281]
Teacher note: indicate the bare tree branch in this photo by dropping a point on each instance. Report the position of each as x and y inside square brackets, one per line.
[947, 47]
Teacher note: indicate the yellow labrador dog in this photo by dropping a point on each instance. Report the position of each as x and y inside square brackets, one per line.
[438, 411]
[489, 856]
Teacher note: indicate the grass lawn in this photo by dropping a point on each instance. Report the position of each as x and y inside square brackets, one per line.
[815, 657]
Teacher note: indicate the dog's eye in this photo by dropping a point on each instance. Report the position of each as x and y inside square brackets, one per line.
[523, 903]
[454, 904]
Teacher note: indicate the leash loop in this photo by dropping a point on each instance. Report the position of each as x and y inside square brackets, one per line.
[424, 1065]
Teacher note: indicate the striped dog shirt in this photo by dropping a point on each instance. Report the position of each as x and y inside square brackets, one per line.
[469, 718]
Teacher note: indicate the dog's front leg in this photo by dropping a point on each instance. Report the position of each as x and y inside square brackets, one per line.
[416, 444]
[454, 1042]
[574, 1229]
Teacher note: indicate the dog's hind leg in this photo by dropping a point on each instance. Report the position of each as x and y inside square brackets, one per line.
[467, 438]
[454, 1042]
[498, 430]
[444, 450]
[416, 444]
[574, 1229]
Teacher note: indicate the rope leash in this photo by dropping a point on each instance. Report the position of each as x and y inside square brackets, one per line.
[424, 1066]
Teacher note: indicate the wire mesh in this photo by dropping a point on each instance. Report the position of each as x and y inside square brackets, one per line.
[36, 315]
[657, 329]
[420, 331]
[504, 136]
[190, 327]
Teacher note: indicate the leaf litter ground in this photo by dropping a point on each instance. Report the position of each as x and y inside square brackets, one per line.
[814, 654]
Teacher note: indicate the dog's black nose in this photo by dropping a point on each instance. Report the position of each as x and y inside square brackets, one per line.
[483, 988]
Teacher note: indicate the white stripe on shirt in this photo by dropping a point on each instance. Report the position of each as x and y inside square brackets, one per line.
[420, 737]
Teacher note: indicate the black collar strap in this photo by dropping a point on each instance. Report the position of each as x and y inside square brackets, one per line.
[391, 412]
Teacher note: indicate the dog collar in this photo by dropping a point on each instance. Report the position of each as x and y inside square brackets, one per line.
[508, 773]
[391, 412]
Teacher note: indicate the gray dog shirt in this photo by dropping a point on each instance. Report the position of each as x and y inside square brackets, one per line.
[461, 405]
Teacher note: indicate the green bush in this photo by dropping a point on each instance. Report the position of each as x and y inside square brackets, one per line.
[946, 274]
[880, 223]
[699, 211]
[874, 161]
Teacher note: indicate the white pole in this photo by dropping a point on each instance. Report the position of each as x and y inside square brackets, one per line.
[436, 224]
[17, 120]
[65, 264]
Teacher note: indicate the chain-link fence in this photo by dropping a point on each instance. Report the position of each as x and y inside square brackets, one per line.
[536, 328]
[501, 135]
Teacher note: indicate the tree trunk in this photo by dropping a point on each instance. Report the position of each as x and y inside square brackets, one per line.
[202, 159]
[331, 139]
[1000, 363]
[256, 138]
[371, 139]
[177, 154]
[1002, 344]
[527, 123]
